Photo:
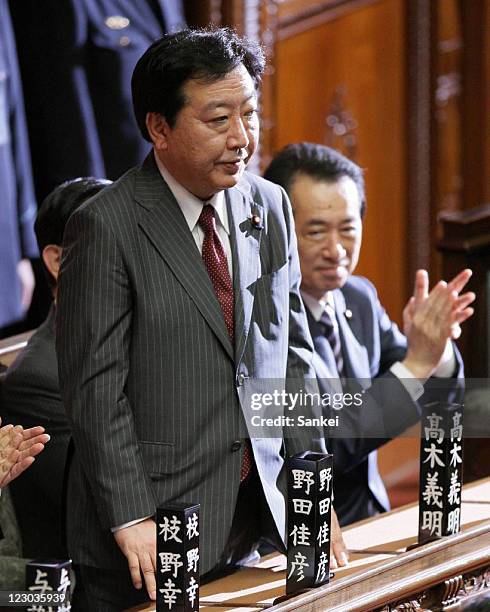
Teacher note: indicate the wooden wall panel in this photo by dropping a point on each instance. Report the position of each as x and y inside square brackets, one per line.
[475, 143]
[342, 83]
[447, 123]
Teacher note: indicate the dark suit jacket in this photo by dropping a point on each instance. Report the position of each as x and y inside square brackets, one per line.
[155, 392]
[17, 203]
[30, 397]
[371, 344]
[77, 58]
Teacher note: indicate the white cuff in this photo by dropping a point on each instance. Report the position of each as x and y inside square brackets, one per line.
[447, 364]
[413, 385]
[113, 529]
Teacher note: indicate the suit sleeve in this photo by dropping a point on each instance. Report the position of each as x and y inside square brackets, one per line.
[387, 408]
[394, 348]
[93, 341]
[300, 375]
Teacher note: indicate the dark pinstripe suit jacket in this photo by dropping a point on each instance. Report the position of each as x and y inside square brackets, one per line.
[151, 383]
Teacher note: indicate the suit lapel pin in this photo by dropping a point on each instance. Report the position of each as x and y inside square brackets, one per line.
[256, 222]
[348, 313]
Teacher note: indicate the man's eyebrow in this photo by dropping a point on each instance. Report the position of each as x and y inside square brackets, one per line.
[317, 222]
[223, 104]
[325, 222]
[350, 219]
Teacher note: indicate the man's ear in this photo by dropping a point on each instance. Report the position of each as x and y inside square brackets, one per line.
[52, 259]
[158, 129]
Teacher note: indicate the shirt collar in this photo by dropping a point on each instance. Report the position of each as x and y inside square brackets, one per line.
[191, 206]
[317, 307]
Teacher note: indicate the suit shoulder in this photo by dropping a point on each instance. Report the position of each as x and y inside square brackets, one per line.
[264, 188]
[360, 287]
[113, 199]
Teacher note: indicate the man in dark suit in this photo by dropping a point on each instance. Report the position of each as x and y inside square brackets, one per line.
[353, 336]
[179, 291]
[17, 203]
[31, 393]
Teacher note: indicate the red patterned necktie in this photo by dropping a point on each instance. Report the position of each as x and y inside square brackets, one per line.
[214, 257]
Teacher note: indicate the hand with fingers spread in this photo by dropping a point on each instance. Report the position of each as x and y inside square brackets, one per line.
[432, 319]
[338, 550]
[462, 305]
[138, 544]
[18, 448]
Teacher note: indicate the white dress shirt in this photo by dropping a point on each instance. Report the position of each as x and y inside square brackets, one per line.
[191, 208]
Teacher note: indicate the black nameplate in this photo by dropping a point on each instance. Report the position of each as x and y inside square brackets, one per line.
[441, 467]
[309, 516]
[178, 557]
[50, 580]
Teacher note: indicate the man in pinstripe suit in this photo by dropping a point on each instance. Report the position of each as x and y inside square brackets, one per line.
[179, 288]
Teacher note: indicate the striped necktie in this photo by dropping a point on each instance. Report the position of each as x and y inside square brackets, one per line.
[331, 334]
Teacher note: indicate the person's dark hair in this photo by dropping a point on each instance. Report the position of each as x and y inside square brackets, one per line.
[316, 161]
[206, 54]
[57, 207]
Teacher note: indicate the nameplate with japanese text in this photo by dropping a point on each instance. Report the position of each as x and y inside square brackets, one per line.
[309, 513]
[178, 558]
[441, 466]
[49, 582]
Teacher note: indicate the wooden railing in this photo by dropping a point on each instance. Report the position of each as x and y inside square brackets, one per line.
[382, 574]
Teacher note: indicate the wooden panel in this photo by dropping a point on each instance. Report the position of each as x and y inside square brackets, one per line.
[295, 16]
[476, 95]
[418, 68]
[343, 83]
[447, 126]
[485, 104]
[200, 13]
[399, 466]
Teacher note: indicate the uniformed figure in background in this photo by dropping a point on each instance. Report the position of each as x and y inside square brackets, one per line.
[17, 203]
[76, 59]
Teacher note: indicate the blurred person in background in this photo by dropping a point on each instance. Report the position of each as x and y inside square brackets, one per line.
[17, 202]
[76, 59]
[31, 393]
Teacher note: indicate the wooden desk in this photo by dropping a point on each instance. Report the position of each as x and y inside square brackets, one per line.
[381, 575]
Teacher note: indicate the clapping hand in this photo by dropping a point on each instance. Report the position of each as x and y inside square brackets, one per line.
[18, 448]
[431, 319]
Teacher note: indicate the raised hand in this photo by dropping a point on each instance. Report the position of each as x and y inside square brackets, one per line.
[18, 448]
[463, 311]
[431, 319]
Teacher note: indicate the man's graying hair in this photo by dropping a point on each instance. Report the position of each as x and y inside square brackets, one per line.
[206, 54]
[316, 161]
